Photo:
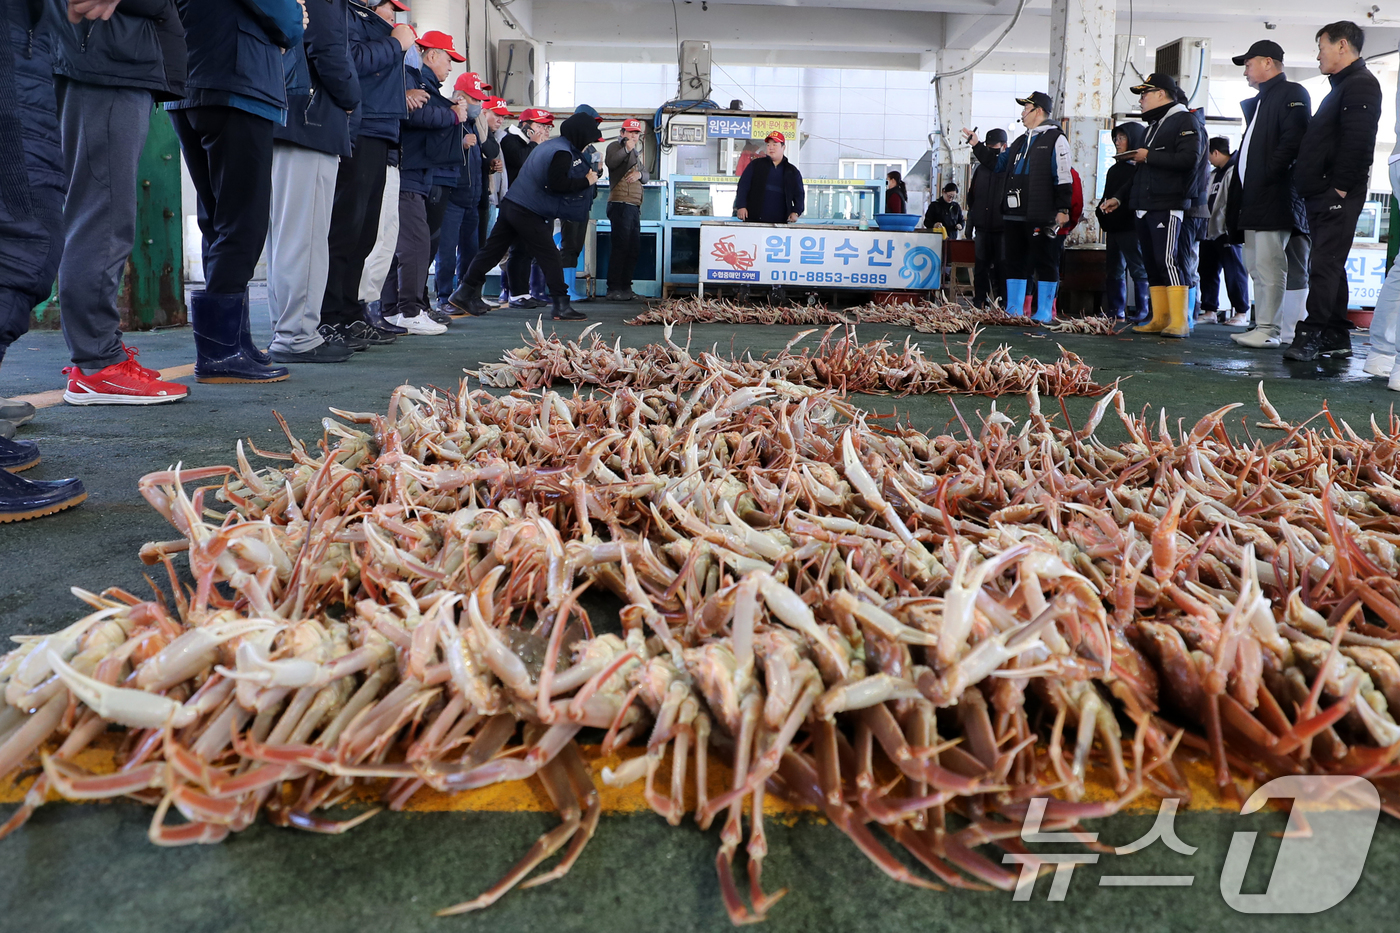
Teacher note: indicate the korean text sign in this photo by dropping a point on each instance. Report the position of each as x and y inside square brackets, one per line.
[828, 257]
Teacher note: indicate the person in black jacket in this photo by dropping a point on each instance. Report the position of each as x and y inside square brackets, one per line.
[1035, 205]
[1167, 164]
[553, 184]
[107, 73]
[306, 156]
[31, 231]
[1116, 219]
[236, 92]
[946, 211]
[770, 192]
[1220, 251]
[431, 154]
[1269, 211]
[984, 223]
[1333, 167]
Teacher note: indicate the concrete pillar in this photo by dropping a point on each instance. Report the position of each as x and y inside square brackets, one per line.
[478, 59]
[1081, 84]
[954, 113]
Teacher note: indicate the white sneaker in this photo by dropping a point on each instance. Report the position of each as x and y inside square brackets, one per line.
[1394, 384]
[1379, 364]
[1261, 338]
[419, 324]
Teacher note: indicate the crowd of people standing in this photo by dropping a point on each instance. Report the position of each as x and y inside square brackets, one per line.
[318, 133]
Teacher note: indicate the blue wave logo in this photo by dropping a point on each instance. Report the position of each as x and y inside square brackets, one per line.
[922, 268]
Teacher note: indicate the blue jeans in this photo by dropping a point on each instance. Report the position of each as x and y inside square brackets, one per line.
[1123, 253]
[456, 246]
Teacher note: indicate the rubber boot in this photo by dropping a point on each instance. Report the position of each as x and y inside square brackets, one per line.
[1142, 311]
[467, 298]
[1193, 298]
[563, 311]
[1115, 297]
[1293, 309]
[373, 314]
[571, 280]
[1015, 297]
[245, 337]
[1178, 311]
[219, 356]
[1045, 302]
[1161, 317]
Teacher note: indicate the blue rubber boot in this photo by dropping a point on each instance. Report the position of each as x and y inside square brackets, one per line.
[1143, 311]
[1193, 297]
[571, 280]
[1045, 302]
[245, 338]
[22, 499]
[218, 336]
[1015, 297]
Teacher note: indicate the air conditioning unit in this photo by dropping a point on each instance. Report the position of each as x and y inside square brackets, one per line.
[1188, 61]
[518, 63]
[1129, 69]
[694, 71]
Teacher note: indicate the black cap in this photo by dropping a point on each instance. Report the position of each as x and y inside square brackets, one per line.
[1037, 99]
[1264, 48]
[1159, 82]
[994, 136]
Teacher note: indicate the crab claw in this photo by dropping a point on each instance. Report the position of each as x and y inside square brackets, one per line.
[135, 709]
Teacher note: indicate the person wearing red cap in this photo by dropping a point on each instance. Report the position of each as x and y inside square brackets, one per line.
[428, 170]
[457, 242]
[627, 173]
[770, 192]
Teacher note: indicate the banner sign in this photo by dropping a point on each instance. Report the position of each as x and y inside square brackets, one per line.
[777, 254]
[729, 127]
[1365, 275]
[762, 126]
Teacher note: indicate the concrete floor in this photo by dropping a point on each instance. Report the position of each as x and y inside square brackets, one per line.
[83, 867]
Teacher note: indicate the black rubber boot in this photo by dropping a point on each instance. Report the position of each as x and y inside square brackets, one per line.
[218, 322]
[563, 311]
[373, 314]
[21, 499]
[467, 299]
[245, 337]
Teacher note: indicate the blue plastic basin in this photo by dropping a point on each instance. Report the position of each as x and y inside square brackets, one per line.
[896, 221]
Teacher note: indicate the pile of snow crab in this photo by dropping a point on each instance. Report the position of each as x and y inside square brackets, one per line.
[922, 315]
[844, 363]
[919, 635]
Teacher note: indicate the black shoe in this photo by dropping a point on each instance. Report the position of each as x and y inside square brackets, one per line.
[1311, 343]
[373, 314]
[439, 317]
[742, 294]
[467, 299]
[779, 296]
[21, 499]
[449, 309]
[339, 335]
[328, 352]
[18, 455]
[563, 311]
[369, 334]
[624, 294]
[7, 430]
[525, 304]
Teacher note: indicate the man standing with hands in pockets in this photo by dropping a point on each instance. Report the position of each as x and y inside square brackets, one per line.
[626, 175]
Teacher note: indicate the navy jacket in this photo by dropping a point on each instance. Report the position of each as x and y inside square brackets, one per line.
[553, 182]
[755, 179]
[431, 136]
[235, 49]
[1280, 114]
[378, 59]
[142, 46]
[319, 119]
[471, 179]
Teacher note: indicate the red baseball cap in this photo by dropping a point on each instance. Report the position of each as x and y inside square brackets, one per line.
[536, 115]
[630, 124]
[396, 4]
[434, 39]
[775, 135]
[496, 105]
[471, 85]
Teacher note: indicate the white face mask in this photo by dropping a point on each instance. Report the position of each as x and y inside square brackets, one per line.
[413, 58]
[473, 111]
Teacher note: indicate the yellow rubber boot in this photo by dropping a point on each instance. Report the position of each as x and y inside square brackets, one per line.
[1157, 295]
[1177, 298]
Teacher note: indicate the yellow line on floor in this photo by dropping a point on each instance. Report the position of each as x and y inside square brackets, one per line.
[55, 396]
[529, 796]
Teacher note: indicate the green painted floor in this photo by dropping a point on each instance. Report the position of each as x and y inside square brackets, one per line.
[90, 867]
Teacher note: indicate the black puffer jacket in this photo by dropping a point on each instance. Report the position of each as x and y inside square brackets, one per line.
[1173, 144]
[1268, 200]
[1118, 183]
[985, 192]
[1340, 141]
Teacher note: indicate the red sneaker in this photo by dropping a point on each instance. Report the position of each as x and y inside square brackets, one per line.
[124, 383]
